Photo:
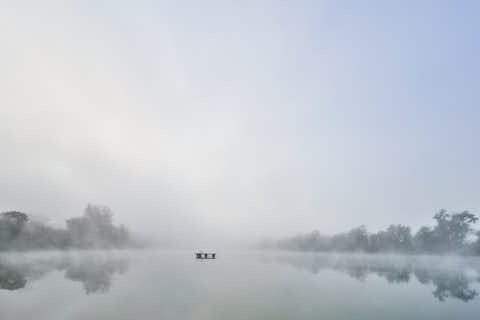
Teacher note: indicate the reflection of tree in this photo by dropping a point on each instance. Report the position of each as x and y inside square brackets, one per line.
[94, 272]
[456, 286]
[394, 275]
[11, 279]
[449, 282]
[358, 272]
[95, 275]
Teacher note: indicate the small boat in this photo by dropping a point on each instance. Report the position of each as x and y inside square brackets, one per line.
[205, 255]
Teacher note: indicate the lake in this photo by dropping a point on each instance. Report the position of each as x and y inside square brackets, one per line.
[243, 285]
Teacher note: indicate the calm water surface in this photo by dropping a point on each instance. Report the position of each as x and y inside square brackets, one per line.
[173, 285]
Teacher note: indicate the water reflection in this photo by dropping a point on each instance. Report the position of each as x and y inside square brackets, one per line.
[92, 271]
[10, 278]
[451, 278]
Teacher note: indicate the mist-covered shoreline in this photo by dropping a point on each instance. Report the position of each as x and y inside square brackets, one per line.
[453, 233]
[93, 230]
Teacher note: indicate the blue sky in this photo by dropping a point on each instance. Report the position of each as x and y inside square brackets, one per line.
[241, 118]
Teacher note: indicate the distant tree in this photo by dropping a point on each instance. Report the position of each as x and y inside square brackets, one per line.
[449, 234]
[11, 225]
[475, 246]
[452, 229]
[95, 229]
[357, 239]
[424, 240]
[37, 235]
[396, 238]
[374, 242]
[15, 220]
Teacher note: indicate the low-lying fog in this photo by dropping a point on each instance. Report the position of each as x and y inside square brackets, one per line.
[173, 285]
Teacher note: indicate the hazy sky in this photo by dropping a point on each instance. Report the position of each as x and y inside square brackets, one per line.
[238, 119]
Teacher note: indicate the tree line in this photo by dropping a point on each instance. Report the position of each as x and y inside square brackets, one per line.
[95, 229]
[452, 233]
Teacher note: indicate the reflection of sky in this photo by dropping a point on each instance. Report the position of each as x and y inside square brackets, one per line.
[213, 114]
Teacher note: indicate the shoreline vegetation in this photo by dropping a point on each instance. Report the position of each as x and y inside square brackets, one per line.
[453, 233]
[93, 230]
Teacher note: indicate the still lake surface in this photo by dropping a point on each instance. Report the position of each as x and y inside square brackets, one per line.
[244, 285]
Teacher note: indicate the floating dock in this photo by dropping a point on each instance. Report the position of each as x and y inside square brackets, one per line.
[205, 255]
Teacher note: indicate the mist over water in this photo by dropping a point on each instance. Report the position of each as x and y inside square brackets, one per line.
[327, 133]
[254, 285]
